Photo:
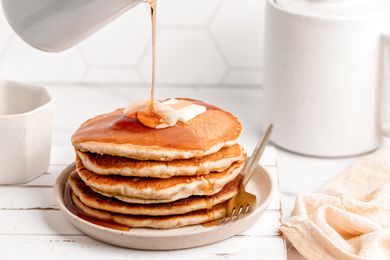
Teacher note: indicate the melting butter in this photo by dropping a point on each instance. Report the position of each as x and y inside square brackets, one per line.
[185, 110]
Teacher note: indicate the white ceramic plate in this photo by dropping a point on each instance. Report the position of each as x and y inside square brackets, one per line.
[262, 185]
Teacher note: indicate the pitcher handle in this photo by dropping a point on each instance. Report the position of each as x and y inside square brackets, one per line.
[384, 89]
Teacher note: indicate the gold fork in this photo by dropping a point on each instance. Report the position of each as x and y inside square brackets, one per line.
[244, 202]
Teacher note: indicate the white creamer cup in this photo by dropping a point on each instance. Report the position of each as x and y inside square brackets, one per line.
[25, 132]
[325, 75]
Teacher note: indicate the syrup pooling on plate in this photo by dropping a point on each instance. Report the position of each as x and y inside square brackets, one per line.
[78, 212]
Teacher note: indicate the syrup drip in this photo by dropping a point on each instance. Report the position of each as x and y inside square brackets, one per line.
[78, 212]
[209, 194]
[209, 199]
[201, 170]
[210, 215]
[208, 189]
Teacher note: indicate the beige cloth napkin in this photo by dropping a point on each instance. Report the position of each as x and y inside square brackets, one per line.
[350, 218]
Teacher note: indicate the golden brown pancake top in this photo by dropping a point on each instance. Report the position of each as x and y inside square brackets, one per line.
[200, 133]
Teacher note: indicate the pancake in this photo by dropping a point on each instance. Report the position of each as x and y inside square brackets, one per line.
[161, 222]
[133, 199]
[94, 200]
[116, 135]
[115, 165]
[170, 189]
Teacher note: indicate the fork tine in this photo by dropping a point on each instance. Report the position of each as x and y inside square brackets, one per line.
[242, 213]
[235, 216]
[246, 209]
[234, 211]
[240, 210]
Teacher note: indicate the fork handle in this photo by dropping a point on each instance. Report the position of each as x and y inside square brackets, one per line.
[253, 161]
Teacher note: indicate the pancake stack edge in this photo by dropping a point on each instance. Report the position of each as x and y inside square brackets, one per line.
[115, 179]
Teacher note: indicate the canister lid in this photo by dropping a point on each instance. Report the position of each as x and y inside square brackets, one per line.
[334, 8]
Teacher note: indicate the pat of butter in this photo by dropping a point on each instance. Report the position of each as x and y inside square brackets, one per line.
[185, 110]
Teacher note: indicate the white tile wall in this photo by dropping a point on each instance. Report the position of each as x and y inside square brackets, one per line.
[199, 42]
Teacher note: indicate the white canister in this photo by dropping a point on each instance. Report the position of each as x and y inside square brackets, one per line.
[324, 82]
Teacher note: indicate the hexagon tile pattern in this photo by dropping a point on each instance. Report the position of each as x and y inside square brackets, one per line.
[179, 13]
[238, 31]
[200, 42]
[181, 63]
[121, 44]
[20, 62]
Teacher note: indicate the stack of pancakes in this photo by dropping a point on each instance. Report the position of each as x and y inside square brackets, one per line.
[159, 178]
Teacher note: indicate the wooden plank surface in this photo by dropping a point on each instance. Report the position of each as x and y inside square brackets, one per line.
[83, 247]
[27, 198]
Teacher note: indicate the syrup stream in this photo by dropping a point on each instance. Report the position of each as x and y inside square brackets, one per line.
[153, 10]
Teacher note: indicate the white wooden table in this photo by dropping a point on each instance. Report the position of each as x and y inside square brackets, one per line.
[32, 226]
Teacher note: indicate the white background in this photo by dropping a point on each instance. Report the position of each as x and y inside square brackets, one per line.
[201, 42]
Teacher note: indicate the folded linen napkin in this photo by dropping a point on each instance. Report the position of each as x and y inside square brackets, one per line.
[349, 218]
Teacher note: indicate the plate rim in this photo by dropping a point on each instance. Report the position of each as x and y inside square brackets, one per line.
[155, 233]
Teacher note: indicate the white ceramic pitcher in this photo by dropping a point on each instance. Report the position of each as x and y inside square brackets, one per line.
[56, 25]
[325, 73]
